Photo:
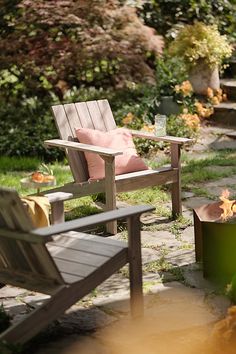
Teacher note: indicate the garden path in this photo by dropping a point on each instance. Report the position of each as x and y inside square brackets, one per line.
[180, 306]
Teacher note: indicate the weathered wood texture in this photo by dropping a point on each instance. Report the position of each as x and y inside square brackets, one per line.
[98, 115]
[62, 262]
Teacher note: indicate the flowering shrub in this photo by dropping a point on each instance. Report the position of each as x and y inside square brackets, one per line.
[187, 123]
[192, 120]
[185, 89]
[190, 104]
[128, 119]
[201, 42]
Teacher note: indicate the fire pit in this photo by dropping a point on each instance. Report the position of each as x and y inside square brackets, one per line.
[215, 239]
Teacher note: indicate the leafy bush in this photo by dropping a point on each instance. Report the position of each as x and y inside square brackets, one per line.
[199, 42]
[170, 71]
[24, 127]
[177, 126]
[165, 15]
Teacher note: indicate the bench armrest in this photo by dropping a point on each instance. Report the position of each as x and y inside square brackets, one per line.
[73, 145]
[152, 136]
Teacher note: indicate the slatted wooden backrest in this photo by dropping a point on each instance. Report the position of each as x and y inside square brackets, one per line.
[90, 114]
[24, 259]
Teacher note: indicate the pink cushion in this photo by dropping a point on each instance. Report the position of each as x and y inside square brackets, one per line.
[119, 139]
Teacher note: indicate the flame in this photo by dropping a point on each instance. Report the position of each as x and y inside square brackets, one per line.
[228, 206]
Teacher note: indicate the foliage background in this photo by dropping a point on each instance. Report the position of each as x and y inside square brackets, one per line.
[55, 51]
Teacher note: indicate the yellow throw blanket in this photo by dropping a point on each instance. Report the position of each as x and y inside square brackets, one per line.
[38, 209]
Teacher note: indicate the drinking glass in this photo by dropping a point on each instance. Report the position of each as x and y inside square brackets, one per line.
[160, 125]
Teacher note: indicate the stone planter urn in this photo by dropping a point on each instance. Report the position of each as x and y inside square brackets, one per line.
[202, 76]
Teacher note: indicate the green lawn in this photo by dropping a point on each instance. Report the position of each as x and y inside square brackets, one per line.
[194, 174]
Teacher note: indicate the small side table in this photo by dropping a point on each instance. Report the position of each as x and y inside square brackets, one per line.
[28, 183]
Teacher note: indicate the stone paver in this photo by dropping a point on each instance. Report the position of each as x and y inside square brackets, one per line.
[215, 188]
[196, 202]
[10, 291]
[172, 314]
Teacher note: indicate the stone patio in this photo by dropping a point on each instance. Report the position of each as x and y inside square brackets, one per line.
[180, 306]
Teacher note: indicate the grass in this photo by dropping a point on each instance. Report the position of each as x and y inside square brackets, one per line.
[155, 196]
[157, 266]
[9, 164]
[178, 225]
[194, 170]
[194, 174]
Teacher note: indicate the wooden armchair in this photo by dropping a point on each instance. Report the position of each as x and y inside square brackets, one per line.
[62, 262]
[98, 115]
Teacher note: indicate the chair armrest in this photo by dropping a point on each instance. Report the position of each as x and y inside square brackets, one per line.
[91, 220]
[152, 136]
[73, 145]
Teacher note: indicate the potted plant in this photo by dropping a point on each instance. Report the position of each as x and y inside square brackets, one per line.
[169, 73]
[203, 49]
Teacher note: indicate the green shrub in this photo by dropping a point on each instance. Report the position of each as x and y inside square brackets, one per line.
[170, 71]
[177, 126]
[164, 15]
[24, 127]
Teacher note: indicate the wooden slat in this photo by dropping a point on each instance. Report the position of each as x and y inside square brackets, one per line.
[33, 259]
[62, 123]
[71, 145]
[167, 138]
[84, 115]
[27, 281]
[143, 179]
[49, 268]
[23, 236]
[6, 218]
[34, 265]
[69, 278]
[78, 167]
[72, 117]
[12, 255]
[58, 197]
[88, 244]
[98, 239]
[106, 114]
[74, 268]
[95, 115]
[18, 249]
[73, 255]
[82, 189]
[13, 214]
[79, 270]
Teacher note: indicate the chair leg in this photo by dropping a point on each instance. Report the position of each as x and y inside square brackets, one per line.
[176, 187]
[176, 200]
[57, 212]
[110, 190]
[135, 267]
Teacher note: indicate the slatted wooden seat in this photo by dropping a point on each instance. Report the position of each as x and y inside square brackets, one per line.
[98, 115]
[63, 262]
